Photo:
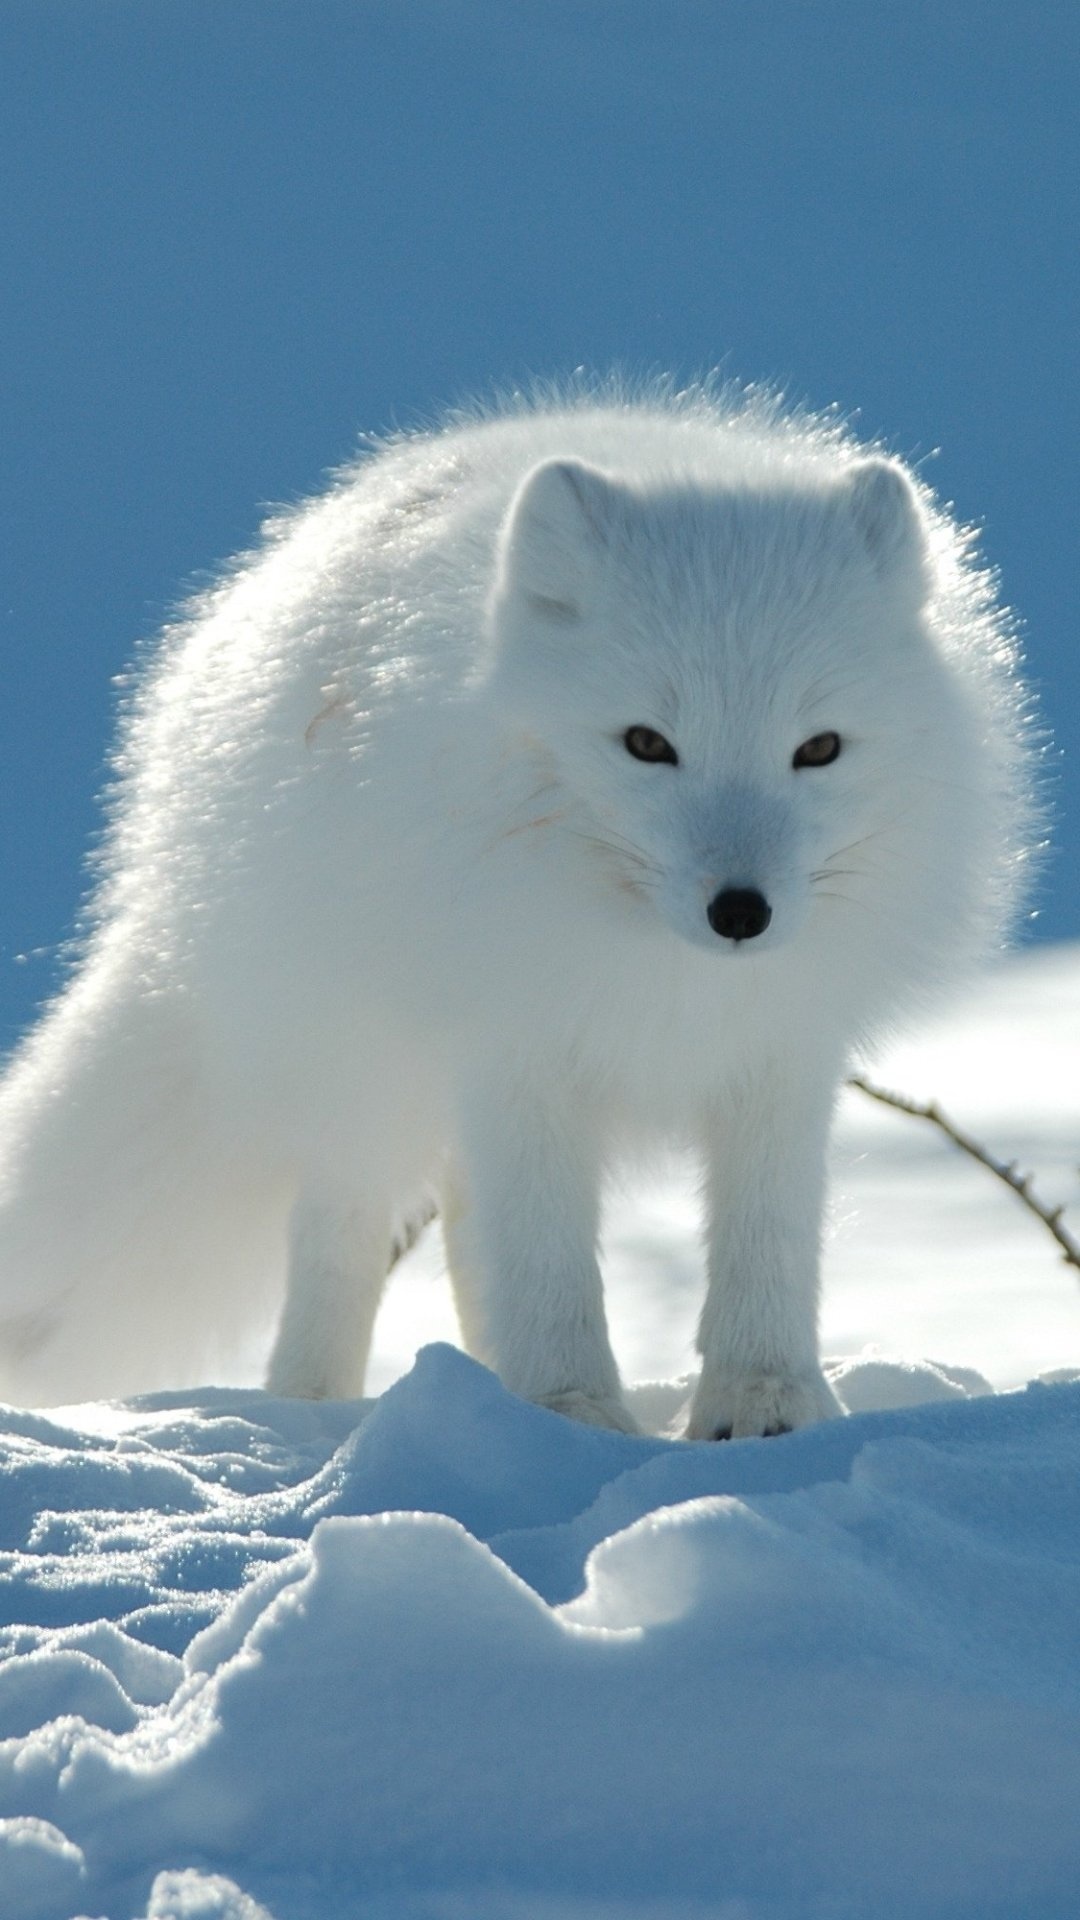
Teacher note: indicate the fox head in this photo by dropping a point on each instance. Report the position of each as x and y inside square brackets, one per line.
[742, 693]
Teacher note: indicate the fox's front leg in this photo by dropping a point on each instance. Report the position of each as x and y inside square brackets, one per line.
[758, 1334]
[520, 1218]
[339, 1253]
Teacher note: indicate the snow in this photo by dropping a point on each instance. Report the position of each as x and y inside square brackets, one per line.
[441, 1655]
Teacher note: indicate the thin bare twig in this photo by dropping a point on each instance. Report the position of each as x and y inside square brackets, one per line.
[410, 1233]
[1019, 1182]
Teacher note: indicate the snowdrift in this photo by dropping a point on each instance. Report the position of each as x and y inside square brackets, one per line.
[449, 1655]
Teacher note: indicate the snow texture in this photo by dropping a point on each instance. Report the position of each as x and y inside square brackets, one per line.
[447, 1656]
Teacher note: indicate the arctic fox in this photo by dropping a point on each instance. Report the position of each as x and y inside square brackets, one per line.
[596, 773]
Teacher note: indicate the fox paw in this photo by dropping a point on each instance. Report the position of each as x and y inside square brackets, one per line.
[741, 1406]
[593, 1410]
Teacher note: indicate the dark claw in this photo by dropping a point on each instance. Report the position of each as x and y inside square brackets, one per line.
[770, 1433]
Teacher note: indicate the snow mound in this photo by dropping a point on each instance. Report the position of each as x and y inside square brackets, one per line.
[449, 1655]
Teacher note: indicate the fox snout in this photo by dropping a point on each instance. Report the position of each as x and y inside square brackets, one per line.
[739, 913]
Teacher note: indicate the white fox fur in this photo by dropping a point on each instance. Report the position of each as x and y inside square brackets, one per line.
[389, 908]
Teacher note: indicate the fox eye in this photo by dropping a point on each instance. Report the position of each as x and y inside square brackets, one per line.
[646, 744]
[819, 751]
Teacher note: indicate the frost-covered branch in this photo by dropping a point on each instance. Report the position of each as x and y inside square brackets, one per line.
[1020, 1183]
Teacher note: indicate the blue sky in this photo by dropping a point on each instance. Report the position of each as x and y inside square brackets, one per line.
[238, 233]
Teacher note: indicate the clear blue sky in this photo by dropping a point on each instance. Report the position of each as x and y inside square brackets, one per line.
[236, 233]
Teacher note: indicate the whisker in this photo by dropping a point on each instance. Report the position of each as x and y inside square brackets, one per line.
[622, 849]
[865, 839]
[849, 899]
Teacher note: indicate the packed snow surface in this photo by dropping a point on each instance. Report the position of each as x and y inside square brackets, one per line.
[441, 1655]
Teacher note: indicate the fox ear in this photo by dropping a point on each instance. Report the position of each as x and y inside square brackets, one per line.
[890, 521]
[558, 527]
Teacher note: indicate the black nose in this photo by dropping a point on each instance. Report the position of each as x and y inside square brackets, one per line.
[739, 913]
